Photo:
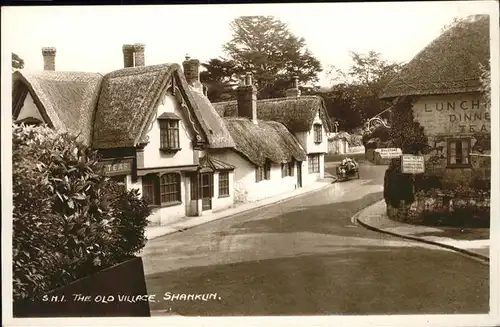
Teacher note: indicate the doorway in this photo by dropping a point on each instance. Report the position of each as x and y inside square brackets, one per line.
[299, 174]
[207, 190]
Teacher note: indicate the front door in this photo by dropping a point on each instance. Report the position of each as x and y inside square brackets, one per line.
[207, 186]
[299, 174]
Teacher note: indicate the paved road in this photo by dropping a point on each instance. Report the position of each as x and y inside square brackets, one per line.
[306, 257]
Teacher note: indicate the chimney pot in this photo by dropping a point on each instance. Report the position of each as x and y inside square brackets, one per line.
[191, 69]
[128, 55]
[49, 58]
[139, 54]
[248, 78]
[247, 98]
[294, 92]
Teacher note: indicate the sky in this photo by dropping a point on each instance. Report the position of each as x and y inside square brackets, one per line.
[89, 38]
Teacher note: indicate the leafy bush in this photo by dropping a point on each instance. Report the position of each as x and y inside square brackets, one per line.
[397, 187]
[406, 133]
[69, 220]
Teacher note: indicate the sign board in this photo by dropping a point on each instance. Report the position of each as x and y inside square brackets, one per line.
[389, 153]
[118, 167]
[411, 164]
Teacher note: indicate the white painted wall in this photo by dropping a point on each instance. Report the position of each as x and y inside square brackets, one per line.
[221, 203]
[311, 178]
[306, 139]
[152, 155]
[165, 215]
[29, 109]
[246, 189]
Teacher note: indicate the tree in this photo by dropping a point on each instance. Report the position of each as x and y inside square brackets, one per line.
[340, 103]
[264, 46]
[367, 77]
[220, 79]
[17, 62]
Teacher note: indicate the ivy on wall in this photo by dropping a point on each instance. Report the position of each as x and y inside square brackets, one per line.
[405, 132]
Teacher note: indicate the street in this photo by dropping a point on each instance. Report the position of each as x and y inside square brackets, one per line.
[306, 257]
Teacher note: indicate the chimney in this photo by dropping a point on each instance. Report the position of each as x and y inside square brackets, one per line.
[49, 58]
[246, 95]
[128, 55]
[191, 69]
[294, 92]
[139, 54]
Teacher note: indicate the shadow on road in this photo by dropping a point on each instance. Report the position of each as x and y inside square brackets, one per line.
[328, 218]
[360, 282]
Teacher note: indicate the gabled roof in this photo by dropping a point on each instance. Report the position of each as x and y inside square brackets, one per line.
[129, 100]
[214, 164]
[296, 113]
[66, 100]
[218, 134]
[267, 140]
[449, 64]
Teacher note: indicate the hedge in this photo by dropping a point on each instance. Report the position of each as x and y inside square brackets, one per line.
[69, 219]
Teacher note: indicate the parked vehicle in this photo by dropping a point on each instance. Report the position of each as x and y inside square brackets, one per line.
[348, 168]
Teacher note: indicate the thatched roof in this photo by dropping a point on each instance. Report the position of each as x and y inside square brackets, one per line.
[218, 134]
[267, 140]
[450, 64]
[66, 100]
[297, 114]
[129, 100]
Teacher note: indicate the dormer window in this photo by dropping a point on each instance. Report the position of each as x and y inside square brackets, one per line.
[169, 132]
[318, 133]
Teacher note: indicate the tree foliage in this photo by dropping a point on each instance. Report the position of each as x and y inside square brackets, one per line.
[362, 84]
[264, 46]
[220, 78]
[69, 220]
[17, 62]
[405, 132]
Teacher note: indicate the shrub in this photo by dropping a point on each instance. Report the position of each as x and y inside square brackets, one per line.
[69, 220]
[406, 133]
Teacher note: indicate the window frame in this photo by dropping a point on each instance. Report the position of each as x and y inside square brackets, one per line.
[175, 184]
[313, 162]
[223, 182]
[167, 132]
[457, 141]
[263, 172]
[318, 133]
[151, 186]
[287, 169]
[154, 184]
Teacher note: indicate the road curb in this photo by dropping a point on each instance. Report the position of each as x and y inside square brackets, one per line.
[473, 255]
[249, 209]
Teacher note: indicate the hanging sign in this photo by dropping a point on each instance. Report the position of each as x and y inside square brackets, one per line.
[389, 153]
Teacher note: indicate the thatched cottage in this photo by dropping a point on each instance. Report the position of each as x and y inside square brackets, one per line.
[152, 124]
[443, 81]
[279, 143]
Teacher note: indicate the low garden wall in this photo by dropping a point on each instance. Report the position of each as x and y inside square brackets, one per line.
[447, 197]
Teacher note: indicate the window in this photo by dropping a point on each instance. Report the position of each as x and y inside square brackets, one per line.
[223, 184]
[164, 190]
[149, 193]
[459, 152]
[263, 172]
[170, 188]
[287, 169]
[169, 134]
[318, 133]
[313, 163]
